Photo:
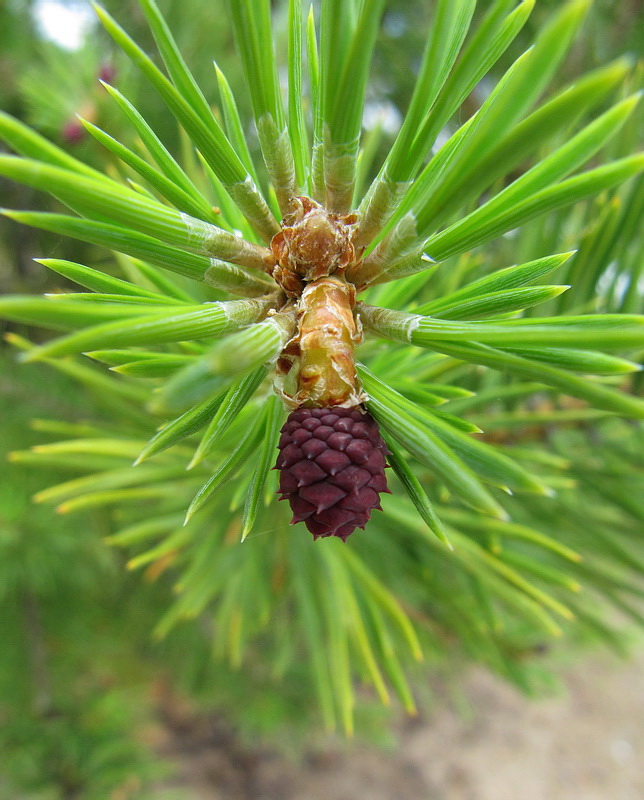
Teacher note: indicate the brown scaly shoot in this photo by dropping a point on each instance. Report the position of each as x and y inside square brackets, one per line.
[313, 251]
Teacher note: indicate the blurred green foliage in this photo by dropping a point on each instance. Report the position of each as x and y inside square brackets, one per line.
[73, 682]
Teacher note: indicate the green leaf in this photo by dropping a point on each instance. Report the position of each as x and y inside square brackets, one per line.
[550, 169]
[101, 282]
[631, 299]
[266, 455]
[499, 302]
[119, 448]
[116, 237]
[118, 395]
[337, 25]
[210, 319]
[173, 543]
[416, 493]
[496, 394]
[237, 280]
[594, 255]
[165, 186]
[515, 578]
[141, 271]
[452, 421]
[251, 22]
[594, 393]
[511, 530]
[484, 460]
[502, 280]
[142, 531]
[141, 494]
[346, 597]
[160, 367]
[385, 599]
[591, 330]
[236, 398]
[485, 567]
[337, 642]
[304, 570]
[490, 40]
[193, 420]
[177, 68]
[145, 305]
[429, 450]
[240, 454]
[61, 313]
[234, 127]
[83, 462]
[585, 361]
[28, 143]
[559, 113]
[104, 481]
[370, 144]
[546, 573]
[115, 358]
[345, 99]
[231, 216]
[316, 180]
[346, 43]
[252, 28]
[113, 202]
[515, 93]
[237, 354]
[204, 132]
[296, 124]
[524, 420]
[603, 330]
[153, 145]
[447, 33]
[481, 226]
[401, 292]
[417, 393]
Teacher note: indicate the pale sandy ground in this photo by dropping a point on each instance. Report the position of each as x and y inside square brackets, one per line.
[584, 744]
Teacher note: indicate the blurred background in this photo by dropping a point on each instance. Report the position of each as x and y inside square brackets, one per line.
[91, 707]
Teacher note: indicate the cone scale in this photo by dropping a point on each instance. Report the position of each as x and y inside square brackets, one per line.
[332, 457]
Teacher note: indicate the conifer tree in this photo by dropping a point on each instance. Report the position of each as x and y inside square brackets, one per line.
[387, 308]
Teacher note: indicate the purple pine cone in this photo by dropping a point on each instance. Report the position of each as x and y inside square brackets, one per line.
[332, 468]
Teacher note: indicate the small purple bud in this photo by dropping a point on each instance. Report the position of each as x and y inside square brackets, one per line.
[107, 73]
[72, 132]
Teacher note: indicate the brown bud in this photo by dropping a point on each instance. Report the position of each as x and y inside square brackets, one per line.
[312, 244]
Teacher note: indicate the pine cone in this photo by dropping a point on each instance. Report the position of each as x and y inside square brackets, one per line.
[332, 468]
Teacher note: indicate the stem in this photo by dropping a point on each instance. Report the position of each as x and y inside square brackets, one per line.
[327, 336]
